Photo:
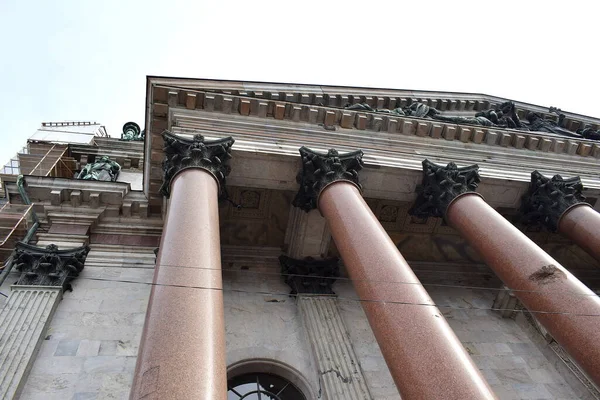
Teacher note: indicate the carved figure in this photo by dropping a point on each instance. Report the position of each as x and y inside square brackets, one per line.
[589, 133]
[504, 115]
[132, 132]
[540, 124]
[103, 170]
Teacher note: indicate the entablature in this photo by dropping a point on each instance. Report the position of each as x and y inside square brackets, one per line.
[269, 126]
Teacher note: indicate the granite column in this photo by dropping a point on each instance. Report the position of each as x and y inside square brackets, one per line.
[561, 303]
[182, 351]
[424, 356]
[560, 205]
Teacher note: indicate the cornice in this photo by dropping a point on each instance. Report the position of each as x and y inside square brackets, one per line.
[309, 94]
[247, 99]
[278, 128]
[90, 195]
[380, 149]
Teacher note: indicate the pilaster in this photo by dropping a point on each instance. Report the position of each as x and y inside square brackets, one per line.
[338, 367]
[548, 198]
[23, 323]
[45, 273]
[307, 234]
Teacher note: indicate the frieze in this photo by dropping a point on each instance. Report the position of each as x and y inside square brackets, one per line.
[548, 198]
[309, 275]
[48, 266]
[441, 185]
[209, 155]
[319, 170]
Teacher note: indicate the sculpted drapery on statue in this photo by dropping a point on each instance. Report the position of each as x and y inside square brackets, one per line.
[102, 170]
[319, 170]
[209, 155]
[502, 116]
[548, 198]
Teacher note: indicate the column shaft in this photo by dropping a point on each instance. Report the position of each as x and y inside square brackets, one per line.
[23, 323]
[538, 280]
[581, 224]
[424, 356]
[182, 352]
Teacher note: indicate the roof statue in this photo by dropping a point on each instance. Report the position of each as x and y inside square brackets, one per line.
[132, 132]
[102, 170]
[501, 116]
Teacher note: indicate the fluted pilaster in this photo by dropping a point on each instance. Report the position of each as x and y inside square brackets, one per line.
[23, 323]
[339, 368]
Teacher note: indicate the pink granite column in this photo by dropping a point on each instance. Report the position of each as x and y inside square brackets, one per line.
[425, 358]
[581, 224]
[182, 351]
[559, 204]
[569, 310]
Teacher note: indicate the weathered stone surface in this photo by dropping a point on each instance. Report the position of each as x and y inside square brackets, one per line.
[181, 153]
[338, 367]
[548, 198]
[23, 323]
[319, 170]
[441, 185]
[309, 275]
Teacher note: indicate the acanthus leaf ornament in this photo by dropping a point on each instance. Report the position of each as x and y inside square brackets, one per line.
[310, 275]
[547, 199]
[198, 152]
[48, 266]
[319, 170]
[441, 185]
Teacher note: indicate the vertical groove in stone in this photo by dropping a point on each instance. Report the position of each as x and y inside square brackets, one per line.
[336, 361]
[31, 338]
[23, 322]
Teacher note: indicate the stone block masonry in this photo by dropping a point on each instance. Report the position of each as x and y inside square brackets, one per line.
[90, 348]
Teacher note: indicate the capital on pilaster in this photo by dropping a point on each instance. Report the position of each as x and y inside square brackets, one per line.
[209, 155]
[309, 275]
[441, 185]
[319, 170]
[548, 198]
[48, 266]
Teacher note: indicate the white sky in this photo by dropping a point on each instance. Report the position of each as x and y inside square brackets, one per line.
[88, 60]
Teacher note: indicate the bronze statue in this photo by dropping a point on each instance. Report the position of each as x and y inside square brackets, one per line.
[132, 132]
[102, 170]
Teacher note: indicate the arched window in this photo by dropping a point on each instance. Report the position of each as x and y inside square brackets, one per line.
[262, 386]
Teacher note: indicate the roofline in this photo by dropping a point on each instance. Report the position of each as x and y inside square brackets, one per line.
[150, 78]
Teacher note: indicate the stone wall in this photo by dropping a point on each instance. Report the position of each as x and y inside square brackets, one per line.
[133, 177]
[91, 345]
[505, 352]
[90, 348]
[263, 326]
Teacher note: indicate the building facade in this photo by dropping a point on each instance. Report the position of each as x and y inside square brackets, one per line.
[277, 241]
